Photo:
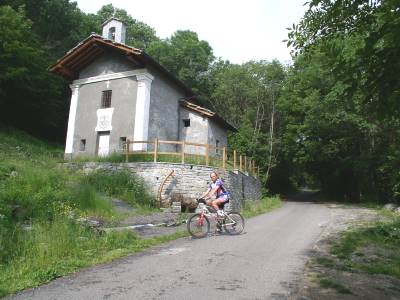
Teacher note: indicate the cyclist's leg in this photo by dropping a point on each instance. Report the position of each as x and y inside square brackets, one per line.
[220, 200]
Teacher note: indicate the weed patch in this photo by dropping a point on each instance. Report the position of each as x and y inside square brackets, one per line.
[40, 202]
[53, 249]
[375, 250]
[266, 204]
[123, 185]
[330, 283]
[326, 262]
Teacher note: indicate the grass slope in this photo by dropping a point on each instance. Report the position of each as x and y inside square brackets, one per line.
[40, 203]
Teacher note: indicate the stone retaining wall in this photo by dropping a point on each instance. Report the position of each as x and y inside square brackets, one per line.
[188, 182]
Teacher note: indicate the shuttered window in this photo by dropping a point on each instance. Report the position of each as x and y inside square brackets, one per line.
[106, 99]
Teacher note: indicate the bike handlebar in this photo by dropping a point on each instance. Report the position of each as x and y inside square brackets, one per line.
[201, 200]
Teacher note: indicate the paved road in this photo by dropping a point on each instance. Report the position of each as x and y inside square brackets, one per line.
[262, 263]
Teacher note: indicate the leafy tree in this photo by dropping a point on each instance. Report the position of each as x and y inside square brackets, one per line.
[246, 96]
[186, 56]
[58, 24]
[341, 117]
[375, 27]
[28, 92]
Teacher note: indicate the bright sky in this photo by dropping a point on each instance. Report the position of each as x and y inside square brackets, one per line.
[237, 30]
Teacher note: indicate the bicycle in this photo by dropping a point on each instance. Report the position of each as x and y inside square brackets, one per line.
[198, 224]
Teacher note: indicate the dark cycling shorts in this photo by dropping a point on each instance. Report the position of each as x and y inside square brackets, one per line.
[224, 197]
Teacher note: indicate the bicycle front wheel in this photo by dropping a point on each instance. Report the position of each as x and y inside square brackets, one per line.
[198, 225]
[234, 223]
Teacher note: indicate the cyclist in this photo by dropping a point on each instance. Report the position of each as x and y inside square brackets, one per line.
[217, 190]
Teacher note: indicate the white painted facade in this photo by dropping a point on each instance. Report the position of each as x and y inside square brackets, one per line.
[71, 119]
[104, 116]
[142, 111]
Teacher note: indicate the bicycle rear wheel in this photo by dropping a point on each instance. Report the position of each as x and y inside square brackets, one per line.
[198, 225]
[234, 223]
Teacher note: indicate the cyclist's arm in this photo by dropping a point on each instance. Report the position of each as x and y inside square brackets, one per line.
[212, 193]
[206, 193]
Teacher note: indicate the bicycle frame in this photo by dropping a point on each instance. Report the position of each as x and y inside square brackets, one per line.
[232, 222]
[205, 211]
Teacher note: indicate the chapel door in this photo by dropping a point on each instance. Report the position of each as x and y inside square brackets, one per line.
[104, 144]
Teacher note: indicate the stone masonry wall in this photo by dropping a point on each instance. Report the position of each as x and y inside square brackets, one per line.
[188, 182]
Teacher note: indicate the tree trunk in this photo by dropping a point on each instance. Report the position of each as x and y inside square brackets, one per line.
[271, 137]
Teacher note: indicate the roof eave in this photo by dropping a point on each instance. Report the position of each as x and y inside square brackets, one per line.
[58, 68]
[208, 114]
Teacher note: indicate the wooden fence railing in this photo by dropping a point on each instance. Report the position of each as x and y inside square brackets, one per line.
[212, 156]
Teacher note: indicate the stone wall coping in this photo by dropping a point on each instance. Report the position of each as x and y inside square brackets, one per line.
[180, 165]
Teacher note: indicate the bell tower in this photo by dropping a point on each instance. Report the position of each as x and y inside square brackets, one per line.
[115, 30]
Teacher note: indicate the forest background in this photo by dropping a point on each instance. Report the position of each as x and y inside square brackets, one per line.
[330, 121]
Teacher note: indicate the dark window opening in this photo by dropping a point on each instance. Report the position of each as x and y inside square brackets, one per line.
[82, 145]
[216, 146]
[186, 122]
[111, 34]
[106, 99]
[122, 142]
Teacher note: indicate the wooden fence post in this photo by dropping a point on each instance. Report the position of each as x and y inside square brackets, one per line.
[223, 157]
[245, 163]
[183, 152]
[127, 150]
[207, 151]
[155, 149]
[254, 168]
[234, 158]
[240, 163]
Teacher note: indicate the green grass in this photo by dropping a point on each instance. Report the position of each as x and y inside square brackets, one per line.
[38, 194]
[380, 239]
[54, 249]
[266, 204]
[330, 283]
[39, 190]
[326, 262]
[372, 249]
[123, 185]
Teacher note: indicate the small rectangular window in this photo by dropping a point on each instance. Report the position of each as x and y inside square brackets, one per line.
[82, 145]
[106, 99]
[122, 142]
[216, 146]
[186, 122]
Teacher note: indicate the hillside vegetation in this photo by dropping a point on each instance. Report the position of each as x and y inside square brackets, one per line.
[41, 204]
